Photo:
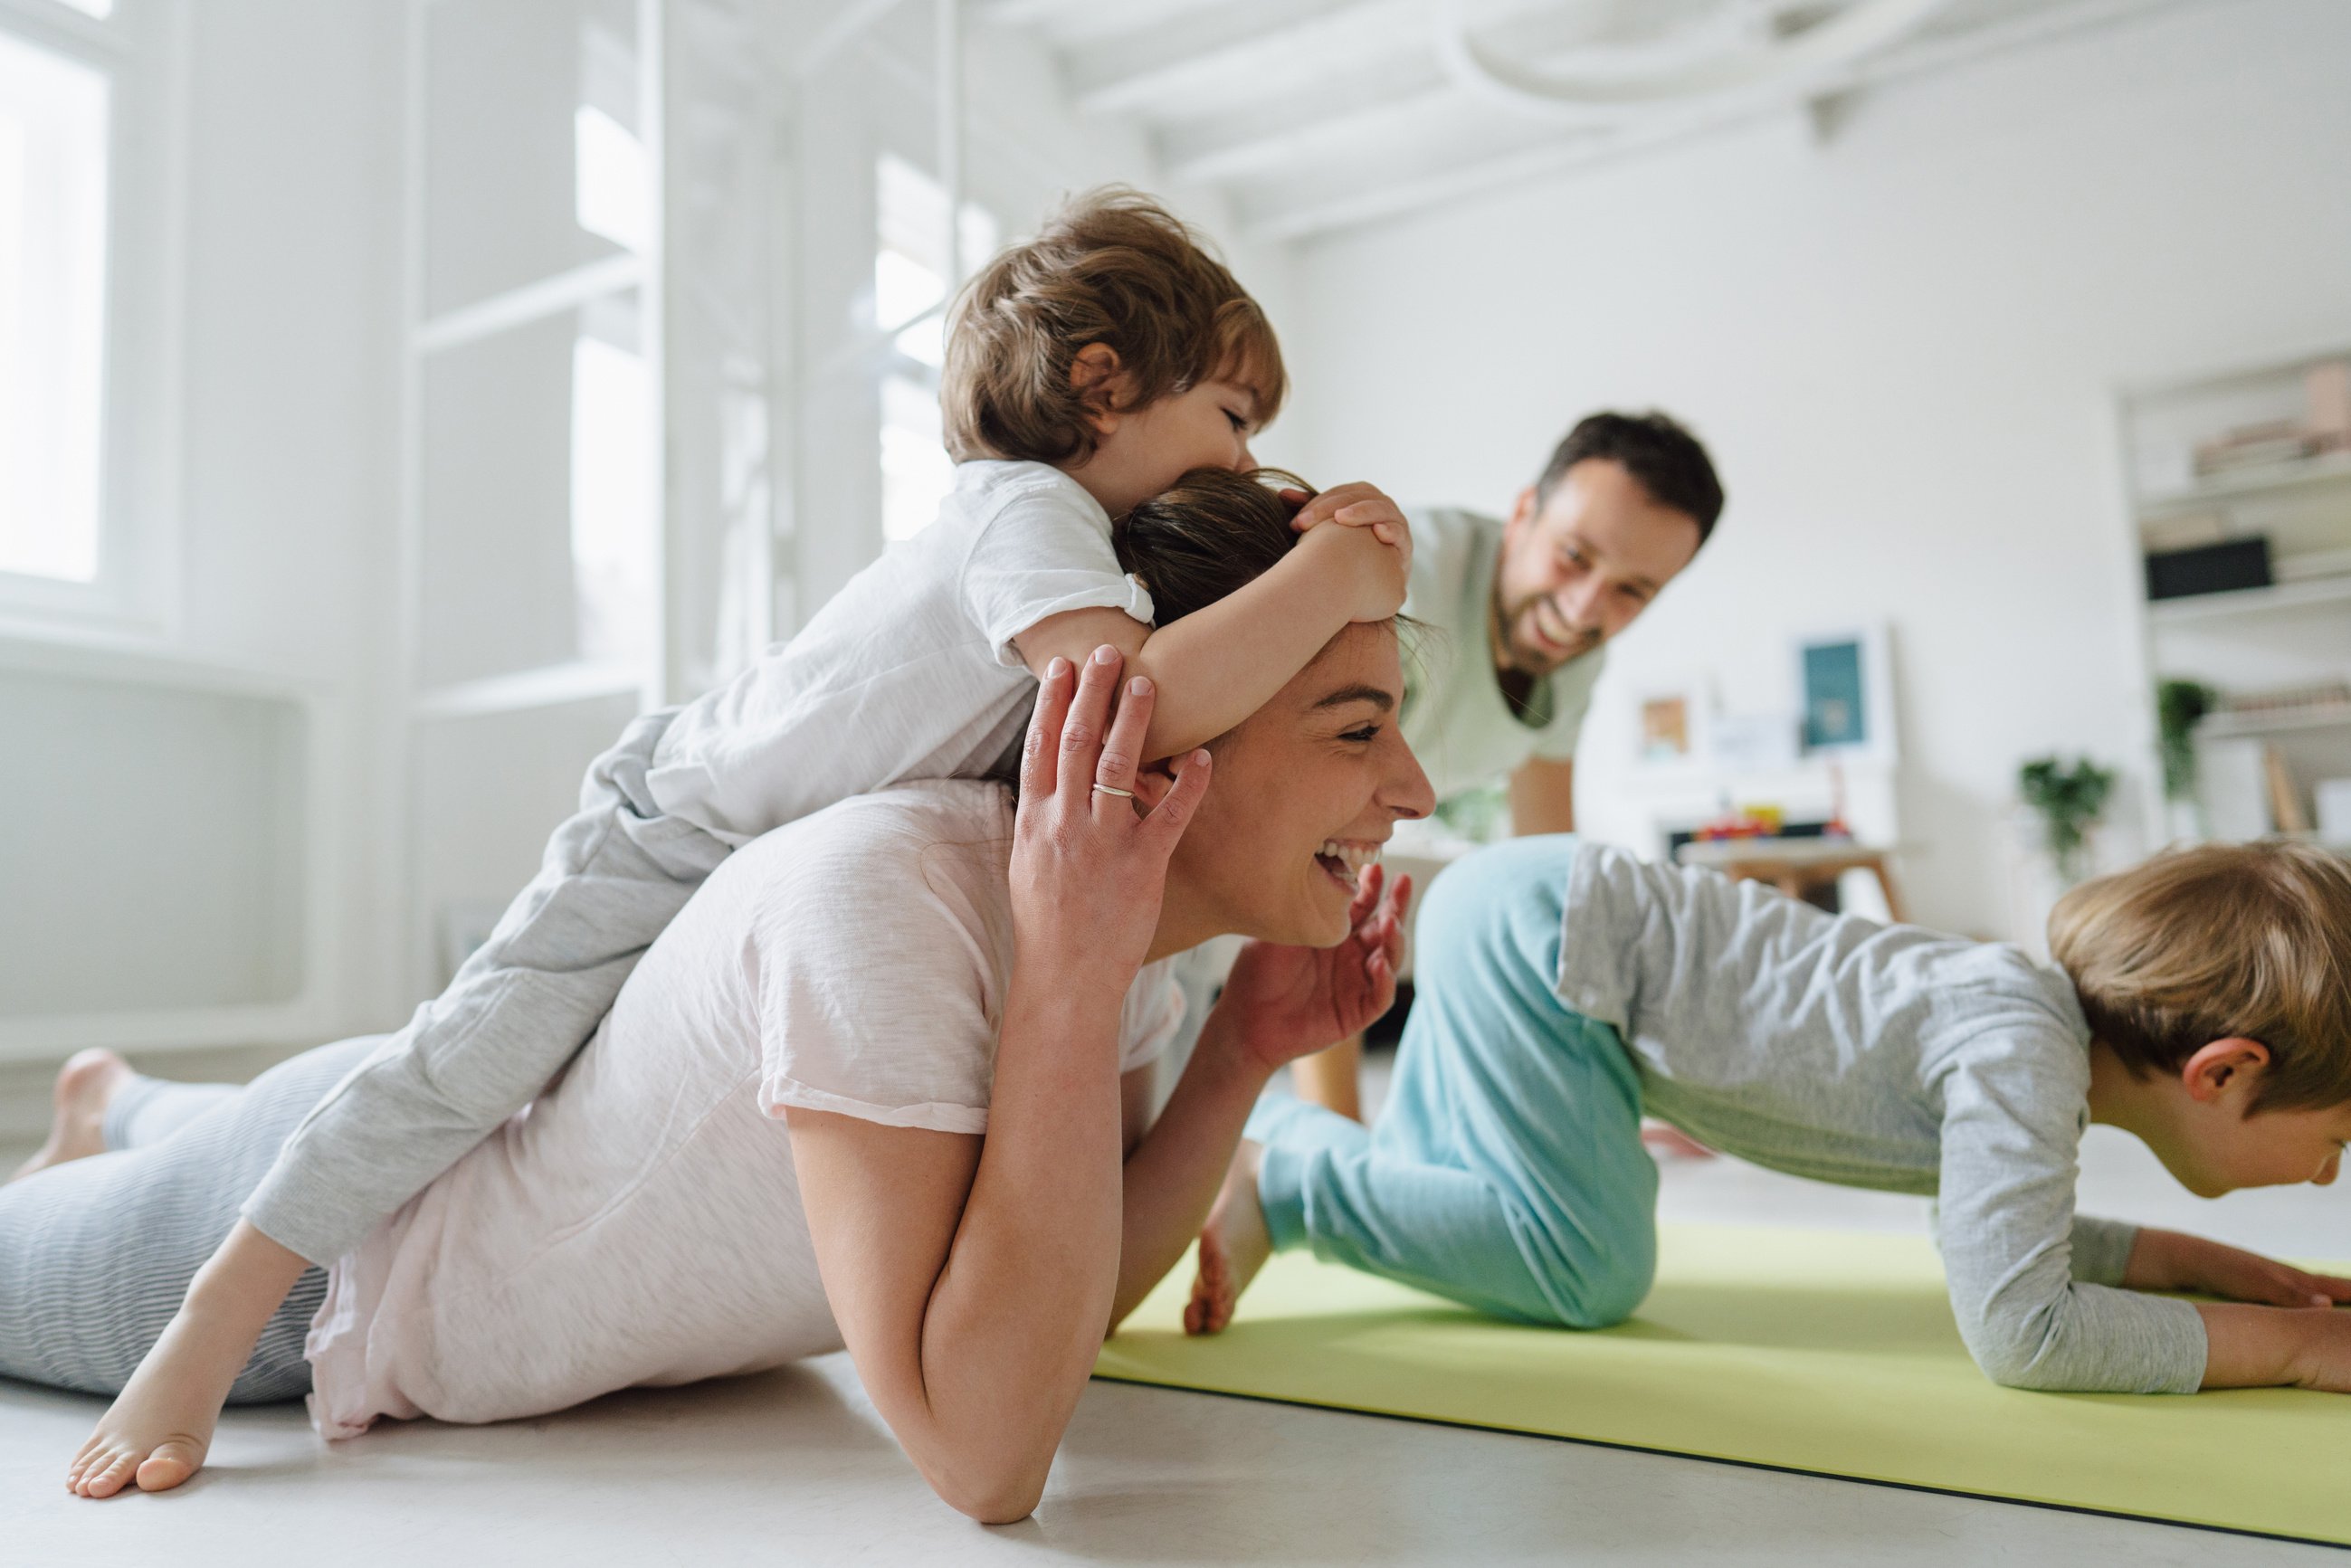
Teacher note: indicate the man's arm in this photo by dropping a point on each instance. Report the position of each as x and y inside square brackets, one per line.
[1543, 796]
[1218, 665]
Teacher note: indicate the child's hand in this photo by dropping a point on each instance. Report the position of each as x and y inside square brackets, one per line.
[2168, 1261]
[1356, 505]
[1368, 577]
[2323, 1360]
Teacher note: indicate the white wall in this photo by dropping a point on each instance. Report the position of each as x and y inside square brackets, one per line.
[1902, 345]
[291, 310]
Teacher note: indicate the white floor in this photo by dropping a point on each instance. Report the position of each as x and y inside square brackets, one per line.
[795, 1467]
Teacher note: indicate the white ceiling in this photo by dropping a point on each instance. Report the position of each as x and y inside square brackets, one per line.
[1312, 114]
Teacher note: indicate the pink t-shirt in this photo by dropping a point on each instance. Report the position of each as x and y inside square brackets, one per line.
[641, 1222]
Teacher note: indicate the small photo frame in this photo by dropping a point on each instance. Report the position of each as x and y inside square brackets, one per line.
[1844, 687]
[1670, 728]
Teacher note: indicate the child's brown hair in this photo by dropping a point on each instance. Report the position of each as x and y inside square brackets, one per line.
[1112, 267]
[2216, 942]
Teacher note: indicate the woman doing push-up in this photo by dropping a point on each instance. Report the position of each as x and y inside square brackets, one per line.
[2201, 1001]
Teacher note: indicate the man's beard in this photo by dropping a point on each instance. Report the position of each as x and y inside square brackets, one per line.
[1522, 652]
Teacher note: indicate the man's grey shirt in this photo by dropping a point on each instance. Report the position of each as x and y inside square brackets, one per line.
[1889, 1057]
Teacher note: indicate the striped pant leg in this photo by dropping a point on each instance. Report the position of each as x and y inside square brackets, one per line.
[96, 1254]
[149, 1110]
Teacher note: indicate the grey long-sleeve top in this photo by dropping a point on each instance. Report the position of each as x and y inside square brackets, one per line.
[1890, 1057]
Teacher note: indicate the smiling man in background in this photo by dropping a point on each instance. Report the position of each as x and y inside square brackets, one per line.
[1519, 609]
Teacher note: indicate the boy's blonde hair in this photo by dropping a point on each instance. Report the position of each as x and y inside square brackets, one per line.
[2215, 942]
[1112, 267]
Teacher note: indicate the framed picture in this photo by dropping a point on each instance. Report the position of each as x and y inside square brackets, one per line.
[1845, 686]
[1672, 726]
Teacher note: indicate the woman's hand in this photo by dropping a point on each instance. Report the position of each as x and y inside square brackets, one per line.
[1288, 1002]
[1089, 867]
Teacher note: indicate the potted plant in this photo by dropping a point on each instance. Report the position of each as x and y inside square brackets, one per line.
[2069, 801]
[2179, 706]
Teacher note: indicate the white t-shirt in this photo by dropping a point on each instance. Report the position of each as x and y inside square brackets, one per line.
[1455, 719]
[641, 1221]
[909, 672]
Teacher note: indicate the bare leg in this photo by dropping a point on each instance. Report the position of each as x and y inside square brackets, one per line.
[1332, 1077]
[86, 1085]
[1234, 1245]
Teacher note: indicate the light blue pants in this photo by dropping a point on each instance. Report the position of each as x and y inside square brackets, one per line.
[1506, 1170]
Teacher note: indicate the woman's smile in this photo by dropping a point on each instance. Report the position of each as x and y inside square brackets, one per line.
[1343, 860]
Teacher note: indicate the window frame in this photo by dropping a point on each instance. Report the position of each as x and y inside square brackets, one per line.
[142, 49]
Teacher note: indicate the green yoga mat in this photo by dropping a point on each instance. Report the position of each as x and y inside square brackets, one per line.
[1833, 1354]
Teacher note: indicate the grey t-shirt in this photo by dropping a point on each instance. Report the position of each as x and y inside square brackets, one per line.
[1891, 1056]
[1455, 719]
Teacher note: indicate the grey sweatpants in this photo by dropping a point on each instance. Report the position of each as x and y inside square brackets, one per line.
[611, 880]
[96, 1254]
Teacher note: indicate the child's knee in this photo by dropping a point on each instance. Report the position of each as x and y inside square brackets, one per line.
[1504, 902]
[1603, 1280]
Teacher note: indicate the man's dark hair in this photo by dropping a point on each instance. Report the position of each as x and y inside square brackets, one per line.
[1654, 449]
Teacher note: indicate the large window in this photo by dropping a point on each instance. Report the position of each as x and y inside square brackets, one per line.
[87, 184]
[53, 199]
[910, 301]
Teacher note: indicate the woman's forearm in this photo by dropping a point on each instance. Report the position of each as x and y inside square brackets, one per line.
[1013, 1322]
[1173, 1176]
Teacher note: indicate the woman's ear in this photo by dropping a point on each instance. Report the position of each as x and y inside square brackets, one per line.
[1099, 381]
[2226, 1067]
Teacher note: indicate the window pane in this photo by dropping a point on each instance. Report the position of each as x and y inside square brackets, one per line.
[53, 114]
[534, 155]
[916, 473]
[538, 534]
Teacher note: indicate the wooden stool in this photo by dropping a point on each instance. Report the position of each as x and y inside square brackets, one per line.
[1797, 867]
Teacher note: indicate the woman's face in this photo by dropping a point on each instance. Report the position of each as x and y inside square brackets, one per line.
[1305, 793]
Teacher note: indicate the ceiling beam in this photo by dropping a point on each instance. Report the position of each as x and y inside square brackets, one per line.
[1553, 156]
[1305, 128]
[1190, 65]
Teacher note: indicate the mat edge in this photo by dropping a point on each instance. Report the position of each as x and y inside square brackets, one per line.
[2172, 1521]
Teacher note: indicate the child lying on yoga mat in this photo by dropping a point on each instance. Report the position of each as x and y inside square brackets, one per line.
[1086, 370]
[2203, 1003]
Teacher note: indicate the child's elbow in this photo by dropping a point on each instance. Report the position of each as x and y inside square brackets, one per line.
[2018, 1361]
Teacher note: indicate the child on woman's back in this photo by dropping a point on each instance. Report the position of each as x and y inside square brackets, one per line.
[1086, 371]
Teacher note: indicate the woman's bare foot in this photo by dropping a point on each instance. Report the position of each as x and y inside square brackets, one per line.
[85, 1086]
[1234, 1245]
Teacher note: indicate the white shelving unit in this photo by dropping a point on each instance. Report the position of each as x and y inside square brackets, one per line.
[2295, 633]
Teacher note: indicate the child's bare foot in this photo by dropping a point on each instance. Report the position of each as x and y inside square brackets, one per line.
[156, 1433]
[1234, 1245]
[1664, 1138]
[86, 1085]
